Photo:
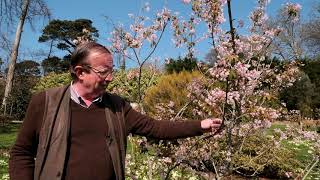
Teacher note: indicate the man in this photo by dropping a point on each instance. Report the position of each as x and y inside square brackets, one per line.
[80, 132]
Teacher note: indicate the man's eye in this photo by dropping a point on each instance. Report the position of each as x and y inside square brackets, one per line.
[104, 72]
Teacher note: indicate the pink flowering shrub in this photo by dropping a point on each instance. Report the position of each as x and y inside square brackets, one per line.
[143, 33]
[241, 88]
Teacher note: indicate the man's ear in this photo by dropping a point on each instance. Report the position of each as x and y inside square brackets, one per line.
[79, 71]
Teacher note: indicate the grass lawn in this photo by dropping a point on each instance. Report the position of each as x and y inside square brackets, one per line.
[7, 138]
[303, 151]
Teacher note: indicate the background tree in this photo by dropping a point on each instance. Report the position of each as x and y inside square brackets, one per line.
[211, 57]
[181, 64]
[304, 95]
[20, 8]
[2, 80]
[27, 68]
[67, 34]
[288, 42]
[299, 96]
[1, 63]
[310, 31]
[26, 76]
[54, 64]
[312, 69]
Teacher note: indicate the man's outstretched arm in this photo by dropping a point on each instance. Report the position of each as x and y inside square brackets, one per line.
[143, 125]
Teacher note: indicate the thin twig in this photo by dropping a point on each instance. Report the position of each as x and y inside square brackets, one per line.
[313, 165]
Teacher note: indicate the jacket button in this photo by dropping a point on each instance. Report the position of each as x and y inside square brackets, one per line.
[59, 174]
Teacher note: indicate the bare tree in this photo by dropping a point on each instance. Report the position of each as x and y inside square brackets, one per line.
[14, 54]
[120, 52]
[288, 44]
[310, 32]
[211, 57]
[26, 10]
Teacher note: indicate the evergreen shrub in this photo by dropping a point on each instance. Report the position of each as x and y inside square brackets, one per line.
[171, 89]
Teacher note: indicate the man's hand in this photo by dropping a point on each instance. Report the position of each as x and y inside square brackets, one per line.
[211, 124]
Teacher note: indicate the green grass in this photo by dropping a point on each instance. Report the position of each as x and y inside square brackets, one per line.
[8, 135]
[4, 158]
[304, 154]
[303, 150]
[274, 126]
[7, 138]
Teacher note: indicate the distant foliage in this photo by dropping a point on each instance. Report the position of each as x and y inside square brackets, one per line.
[170, 90]
[20, 96]
[125, 83]
[55, 64]
[27, 68]
[52, 80]
[304, 95]
[66, 34]
[181, 64]
[299, 96]
[26, 76]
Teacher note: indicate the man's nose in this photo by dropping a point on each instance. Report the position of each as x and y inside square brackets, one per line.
[109, 78]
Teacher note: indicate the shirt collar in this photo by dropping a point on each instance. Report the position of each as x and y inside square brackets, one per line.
[79, 100]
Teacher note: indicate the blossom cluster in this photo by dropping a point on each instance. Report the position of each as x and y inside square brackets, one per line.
[211, 12]
[134, 73]
[140, 31]
[258, 16]
[242, 83]
[183, 30]
[85, 37]
[292, 11]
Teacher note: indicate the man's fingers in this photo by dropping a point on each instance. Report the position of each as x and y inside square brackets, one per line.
[216, 121]
[215, 125]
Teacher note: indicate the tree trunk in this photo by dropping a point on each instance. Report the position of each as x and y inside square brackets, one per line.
[123, 62]
[14, 53]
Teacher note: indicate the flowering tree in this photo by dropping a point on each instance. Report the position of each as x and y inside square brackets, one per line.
[241, 87]
[143, 33]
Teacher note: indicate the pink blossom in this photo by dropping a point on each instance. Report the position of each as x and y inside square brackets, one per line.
[292, 10]
[186, 1]
[132, 74]
[240, 23]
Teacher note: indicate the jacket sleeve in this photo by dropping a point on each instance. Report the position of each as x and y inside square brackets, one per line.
[23, 152]
[140, 124]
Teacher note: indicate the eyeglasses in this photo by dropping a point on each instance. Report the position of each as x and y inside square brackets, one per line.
[101, 73]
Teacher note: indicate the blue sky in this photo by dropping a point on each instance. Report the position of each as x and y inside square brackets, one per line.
[118, 11]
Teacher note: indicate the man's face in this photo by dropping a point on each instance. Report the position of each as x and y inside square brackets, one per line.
[98, 73]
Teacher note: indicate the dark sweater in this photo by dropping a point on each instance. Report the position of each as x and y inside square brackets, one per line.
[88, 155]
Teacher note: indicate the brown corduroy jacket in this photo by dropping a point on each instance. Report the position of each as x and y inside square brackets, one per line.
[40, 150]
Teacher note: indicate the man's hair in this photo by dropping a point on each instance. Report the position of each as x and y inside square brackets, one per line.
[82, 51]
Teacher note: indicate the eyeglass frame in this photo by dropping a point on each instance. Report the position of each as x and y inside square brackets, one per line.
[100, 72]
